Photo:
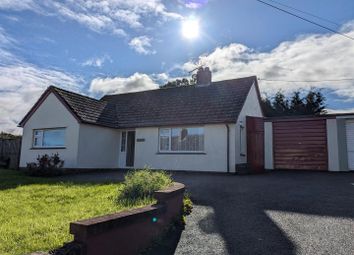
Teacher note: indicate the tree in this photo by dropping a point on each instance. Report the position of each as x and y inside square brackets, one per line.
[313, 103]
[280, 104]
[267, 106]
[180, 82]
[297, 106]
[4, 135]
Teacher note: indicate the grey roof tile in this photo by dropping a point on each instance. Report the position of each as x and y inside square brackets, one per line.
[220, 102]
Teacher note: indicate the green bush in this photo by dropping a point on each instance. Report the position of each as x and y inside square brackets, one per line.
[46, 166]
[141, 184]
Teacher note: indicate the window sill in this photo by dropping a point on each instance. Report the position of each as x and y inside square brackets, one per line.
[47, 148]
[181, 153]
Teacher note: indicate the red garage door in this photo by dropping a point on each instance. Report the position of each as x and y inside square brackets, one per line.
[300, 144]
[255, 144]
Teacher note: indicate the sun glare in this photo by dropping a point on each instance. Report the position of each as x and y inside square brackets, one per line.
[190, 28]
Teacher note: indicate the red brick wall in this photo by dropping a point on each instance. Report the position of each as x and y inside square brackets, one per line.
[129, 232]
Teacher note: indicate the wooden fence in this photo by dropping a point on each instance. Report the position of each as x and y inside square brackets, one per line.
[10, 152]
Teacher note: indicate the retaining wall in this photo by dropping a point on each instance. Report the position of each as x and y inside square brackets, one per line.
[129, 232]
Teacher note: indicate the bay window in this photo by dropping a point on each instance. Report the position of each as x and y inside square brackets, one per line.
[181, 139]
[47, 138]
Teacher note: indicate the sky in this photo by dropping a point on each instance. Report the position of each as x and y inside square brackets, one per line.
[117, 46]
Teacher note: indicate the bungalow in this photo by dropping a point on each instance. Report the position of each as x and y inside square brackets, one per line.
[198, 128]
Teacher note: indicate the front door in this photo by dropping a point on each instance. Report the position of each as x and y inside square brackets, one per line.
[130, 149]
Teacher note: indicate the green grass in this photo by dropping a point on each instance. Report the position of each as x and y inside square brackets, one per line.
[35, 212]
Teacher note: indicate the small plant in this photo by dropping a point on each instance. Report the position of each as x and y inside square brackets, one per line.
[187, 205]
[187, 208]
[46, 166]
[141, 184]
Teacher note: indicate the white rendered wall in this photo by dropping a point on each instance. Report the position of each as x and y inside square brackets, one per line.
[232, 128]
[214, 159]
[268, 146]
[332, 145]
[98, 147]
[252, 108]
[51, 114]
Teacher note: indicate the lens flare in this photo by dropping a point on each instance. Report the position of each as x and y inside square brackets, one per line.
[190, 28]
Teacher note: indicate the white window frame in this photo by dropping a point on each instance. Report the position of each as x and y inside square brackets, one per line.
[40, 137]
[170, 140]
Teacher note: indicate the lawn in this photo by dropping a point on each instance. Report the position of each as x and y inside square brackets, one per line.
[35, 212]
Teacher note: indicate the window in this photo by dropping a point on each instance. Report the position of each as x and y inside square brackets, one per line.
[46, 138]
[181, 139]
[123, 141]
[165, 137]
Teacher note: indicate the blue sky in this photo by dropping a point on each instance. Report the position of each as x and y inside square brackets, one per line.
[115, 46]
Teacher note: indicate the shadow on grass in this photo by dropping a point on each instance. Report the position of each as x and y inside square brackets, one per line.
[11, 179]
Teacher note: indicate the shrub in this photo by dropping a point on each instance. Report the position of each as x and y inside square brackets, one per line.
[187, 205]
[187, 208]
[141, 184]
[46, 166]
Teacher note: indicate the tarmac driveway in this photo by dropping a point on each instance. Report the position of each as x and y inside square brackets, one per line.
[273, 213]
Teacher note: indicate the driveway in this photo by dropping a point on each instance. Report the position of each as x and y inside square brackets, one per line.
[272, 213]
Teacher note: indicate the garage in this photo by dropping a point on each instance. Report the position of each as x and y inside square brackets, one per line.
[320, 143]
[301, 144]
[349, 127]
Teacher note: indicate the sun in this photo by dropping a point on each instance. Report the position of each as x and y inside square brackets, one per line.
[190, 28]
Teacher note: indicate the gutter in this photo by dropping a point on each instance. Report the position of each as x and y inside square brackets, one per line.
[228, 148]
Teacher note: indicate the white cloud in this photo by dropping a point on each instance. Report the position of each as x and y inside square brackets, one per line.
[18, 5]
[160, 78]
[117, 85]
[22, 83]
[129, 17]
[309, 57]
[97, 61]
[194, 4]
[96, 23]
[336, 111]
[142, 45]
[100, 16]
[12, 18]
[5, 39]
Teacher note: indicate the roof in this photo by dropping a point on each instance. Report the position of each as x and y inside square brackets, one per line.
[85, 109]
[89, 110]
[219, 102]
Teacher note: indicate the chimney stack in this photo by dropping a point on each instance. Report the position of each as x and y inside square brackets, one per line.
[203, 76]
